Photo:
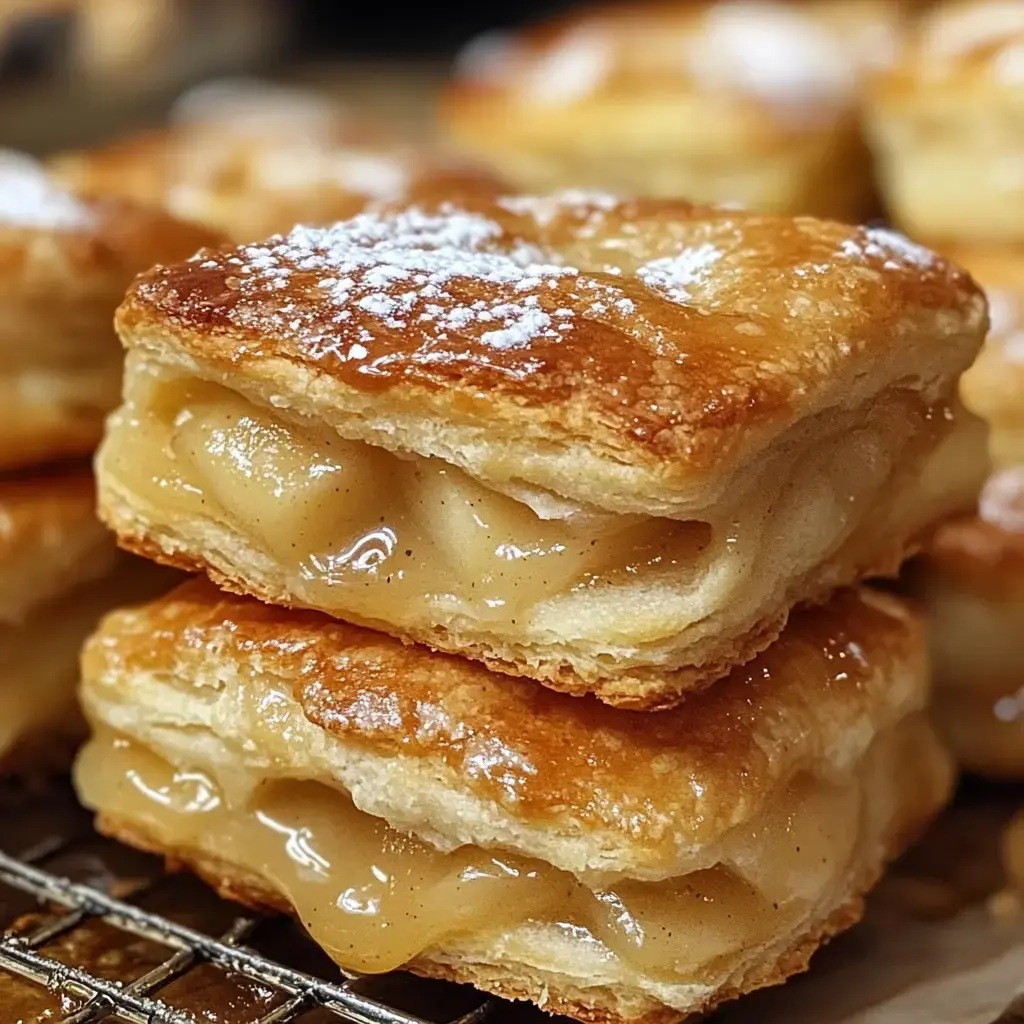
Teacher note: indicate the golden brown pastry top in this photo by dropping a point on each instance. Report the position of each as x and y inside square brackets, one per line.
[60, 248]
[777, 67]
[960, 47]
[811, 702]
[658, 337]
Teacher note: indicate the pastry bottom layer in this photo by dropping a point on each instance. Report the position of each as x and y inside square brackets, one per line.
[600, 949]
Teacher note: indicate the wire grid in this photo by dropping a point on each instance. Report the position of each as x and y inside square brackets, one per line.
[136, 1002]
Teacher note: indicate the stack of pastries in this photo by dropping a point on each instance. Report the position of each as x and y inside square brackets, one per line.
[64, 266]
[945, 119]
[530, 651]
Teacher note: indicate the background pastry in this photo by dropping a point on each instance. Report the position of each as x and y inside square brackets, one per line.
[64, 266]
[946, 121]
[252, 159]
[972, 576]
[59, 572]
[734, 833]
[745, 103]
[607, 445]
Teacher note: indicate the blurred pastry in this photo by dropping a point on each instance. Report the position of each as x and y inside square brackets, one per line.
[947, 121]
[251, 158]
[59, 572]
[972, 585]
[994, 386]
[972, 576]
[746, 103]
[64, 266]
[414, 810]
[605, 445]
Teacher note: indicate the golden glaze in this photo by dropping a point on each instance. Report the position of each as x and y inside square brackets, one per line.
[776, 318]
[506, 740]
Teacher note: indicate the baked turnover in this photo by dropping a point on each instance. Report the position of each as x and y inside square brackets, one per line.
[253, 161]
[606, 445]
[414, 809]
[59, 572]
[994, 386]
[972, 579]
[749, 103]
[972, 584]
[64, 267]
[946, 122]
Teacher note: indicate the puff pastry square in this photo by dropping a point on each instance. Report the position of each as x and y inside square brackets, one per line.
[251, 160]
[606, 445]
[741, 102]
[972, 585]
[734, 833]
[64, 266]
[59, 572]
[945, 120]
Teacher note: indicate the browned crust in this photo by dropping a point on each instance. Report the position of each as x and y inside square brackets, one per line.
[675, 389]
[859, 659]
[254, 892]
[640, 689]
[45, 505]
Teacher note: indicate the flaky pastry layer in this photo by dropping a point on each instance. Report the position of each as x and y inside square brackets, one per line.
[64, 266]
[769, 463]
[736, 832]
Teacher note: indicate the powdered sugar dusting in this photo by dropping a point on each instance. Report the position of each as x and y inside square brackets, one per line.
[894, 249]
[545, 209]
[29, 199]
[397, 269]
[674, 276]
[1002, 500]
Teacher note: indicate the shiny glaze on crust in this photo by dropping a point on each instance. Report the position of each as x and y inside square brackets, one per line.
[764, 316]
[856, 663]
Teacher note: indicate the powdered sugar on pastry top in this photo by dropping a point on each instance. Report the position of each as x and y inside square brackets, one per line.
[397, 268]
[29, 199]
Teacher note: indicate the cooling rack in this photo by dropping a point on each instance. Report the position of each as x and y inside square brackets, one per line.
[61, 906]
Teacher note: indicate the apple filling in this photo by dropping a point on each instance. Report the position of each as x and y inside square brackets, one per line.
[376, 898]
[408, 541]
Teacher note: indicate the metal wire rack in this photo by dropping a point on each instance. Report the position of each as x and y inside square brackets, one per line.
[64, 905]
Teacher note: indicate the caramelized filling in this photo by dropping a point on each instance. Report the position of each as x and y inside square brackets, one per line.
[376, 898]
[366, 532]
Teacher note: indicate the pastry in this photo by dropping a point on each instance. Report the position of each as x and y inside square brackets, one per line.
[945, 120]
[414, 809]
[59, 572]
[64, 266]
[747, 103]
[972, 585]
[994, 386]
[972, 576]
[604, 445]
[251, 159]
